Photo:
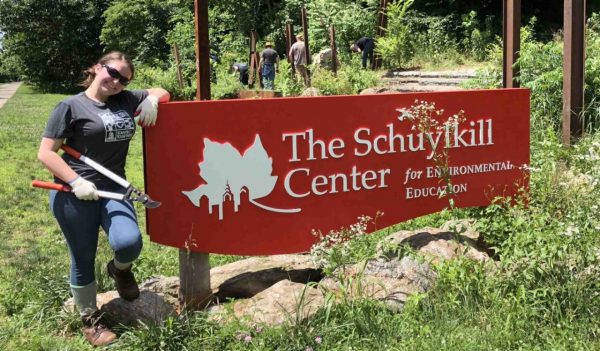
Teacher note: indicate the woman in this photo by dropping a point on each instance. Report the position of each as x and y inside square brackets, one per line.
[99, 123]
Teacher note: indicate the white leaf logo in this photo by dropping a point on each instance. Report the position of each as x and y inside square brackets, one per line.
[228, 174]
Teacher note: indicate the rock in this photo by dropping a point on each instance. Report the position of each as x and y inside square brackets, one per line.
[166, 286]
[248, 277]
[378, 90]
[391, 282]
[273, 290]
[464, 227]
[433, 243]
[150, 308]
[259, 94]
[285, 301]
[311, 92]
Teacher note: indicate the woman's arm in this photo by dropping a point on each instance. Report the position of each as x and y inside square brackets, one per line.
[55, 164]
[160, 93]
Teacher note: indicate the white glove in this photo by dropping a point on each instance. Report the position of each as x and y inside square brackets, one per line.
[148, 110]
[84, 189]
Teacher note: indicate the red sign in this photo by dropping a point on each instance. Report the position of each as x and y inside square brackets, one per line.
[255, 177]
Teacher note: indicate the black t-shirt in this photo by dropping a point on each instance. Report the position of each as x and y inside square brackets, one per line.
[269, 56]
[363, 42]
[100, 131]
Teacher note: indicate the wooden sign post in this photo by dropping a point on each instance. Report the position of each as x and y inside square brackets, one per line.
[194, 266]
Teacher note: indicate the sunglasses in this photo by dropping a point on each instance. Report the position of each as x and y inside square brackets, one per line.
[113, 73]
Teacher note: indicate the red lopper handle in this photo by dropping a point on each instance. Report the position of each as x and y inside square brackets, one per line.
[69, 150]
[49, 185]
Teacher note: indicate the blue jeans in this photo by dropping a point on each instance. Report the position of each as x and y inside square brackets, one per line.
[80, 222]
[268, 74]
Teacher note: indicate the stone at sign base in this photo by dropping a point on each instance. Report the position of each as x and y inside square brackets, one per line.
[259, 94]
[279, 289]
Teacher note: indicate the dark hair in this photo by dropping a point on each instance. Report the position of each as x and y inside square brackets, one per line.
[90, 72]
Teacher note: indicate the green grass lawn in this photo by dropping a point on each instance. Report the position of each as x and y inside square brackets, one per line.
[543, 292]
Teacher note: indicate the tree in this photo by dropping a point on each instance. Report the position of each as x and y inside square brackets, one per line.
[139, 28]
[53, 40]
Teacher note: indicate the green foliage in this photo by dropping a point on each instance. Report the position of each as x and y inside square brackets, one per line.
[397, 47]
[541, 70]
[285, 82]
[417, 38]
[352, 20]
[54, 41]
[10, 67]
[139, 28]
[227, 85]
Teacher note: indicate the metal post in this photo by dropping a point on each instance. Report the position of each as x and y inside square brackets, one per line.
[511, 27]
[333, 49]
[194, 268]
[574, 69]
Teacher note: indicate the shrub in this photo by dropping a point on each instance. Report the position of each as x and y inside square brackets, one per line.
[139, 28]
[397, 48]
[54, 40]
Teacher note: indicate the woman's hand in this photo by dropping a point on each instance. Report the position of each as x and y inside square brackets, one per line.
[148, 110]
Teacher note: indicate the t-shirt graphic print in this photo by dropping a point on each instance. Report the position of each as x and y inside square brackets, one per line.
[118, 125]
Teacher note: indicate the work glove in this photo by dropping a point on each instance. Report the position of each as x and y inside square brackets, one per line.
[148, 110]
[84, 189]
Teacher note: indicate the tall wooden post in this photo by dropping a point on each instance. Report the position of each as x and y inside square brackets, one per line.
[178, 66]
[194, 267]
[381, 29]
[574, 69]
[333, 49]
[511, 27]
[202, 50]
[305, 32]
[254, 71]
[290, 39]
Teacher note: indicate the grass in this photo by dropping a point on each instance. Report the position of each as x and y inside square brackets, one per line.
[543, 292]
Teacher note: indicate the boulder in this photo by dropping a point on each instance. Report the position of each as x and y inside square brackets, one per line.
[246, 278]
[378, 90]
[311, 92]
[288, 288]
[435, 244]
[150, 308]
[285, 301]
[391, 282]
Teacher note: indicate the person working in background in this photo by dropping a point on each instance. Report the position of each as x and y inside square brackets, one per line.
[366, 46]
[298, 57]
[242, 69]
[269, 63]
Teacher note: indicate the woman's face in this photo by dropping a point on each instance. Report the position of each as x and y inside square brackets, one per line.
[112, 77]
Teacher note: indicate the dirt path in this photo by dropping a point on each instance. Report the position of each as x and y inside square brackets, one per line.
[7, 90]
